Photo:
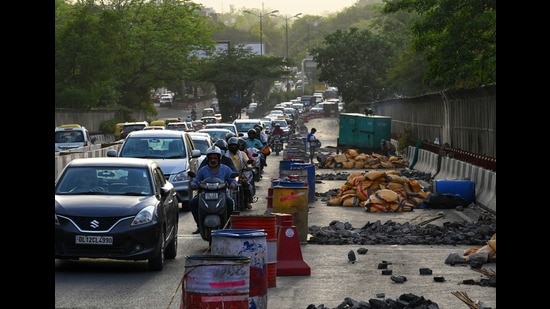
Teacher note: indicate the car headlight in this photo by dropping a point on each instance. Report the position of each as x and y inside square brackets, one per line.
[144, 216]
[181, 176]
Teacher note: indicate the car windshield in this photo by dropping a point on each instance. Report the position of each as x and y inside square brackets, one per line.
[99, 180]
[229, 127]
[216, 134]
[201, 144]
[69, 137]
[245, 126]
[153, 147]
[133, 127]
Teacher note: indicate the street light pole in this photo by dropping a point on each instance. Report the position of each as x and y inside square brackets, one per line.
[261, 16]
[286, 28]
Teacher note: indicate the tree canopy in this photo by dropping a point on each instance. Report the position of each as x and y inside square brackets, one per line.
[114, 52]
[458, 38]
[355, 62]
[237, 75]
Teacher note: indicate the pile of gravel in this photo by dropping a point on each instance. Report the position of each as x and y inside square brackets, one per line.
[405, 301]
[393, 233]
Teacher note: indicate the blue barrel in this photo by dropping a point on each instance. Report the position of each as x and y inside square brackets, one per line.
[310, 170]
[465, 188]
[286, 165]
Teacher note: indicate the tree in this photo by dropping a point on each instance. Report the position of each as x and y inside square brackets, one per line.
[458, 38]
[355, 62]
[113, 53]
[238, 74]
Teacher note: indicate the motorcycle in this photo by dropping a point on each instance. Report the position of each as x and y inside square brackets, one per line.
[255, 154]
[212, 205]
[276, 143]
[246, 191]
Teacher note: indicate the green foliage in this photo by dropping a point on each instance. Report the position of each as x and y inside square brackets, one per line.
[239, 72]
[458, 38]
[405, 140]
[108, 126]
[108, 55]
[354, 61]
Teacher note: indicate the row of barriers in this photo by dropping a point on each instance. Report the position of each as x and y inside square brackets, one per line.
[444, 167]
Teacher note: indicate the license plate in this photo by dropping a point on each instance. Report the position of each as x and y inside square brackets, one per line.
[94, 240]
[211, 195]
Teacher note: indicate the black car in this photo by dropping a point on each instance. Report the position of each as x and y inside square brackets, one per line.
[115, 208]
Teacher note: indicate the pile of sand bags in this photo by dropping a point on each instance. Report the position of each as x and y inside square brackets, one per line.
[351, 158]
[380, 191]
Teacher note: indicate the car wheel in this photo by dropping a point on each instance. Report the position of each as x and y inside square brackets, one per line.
[157, 263]
[172, 248]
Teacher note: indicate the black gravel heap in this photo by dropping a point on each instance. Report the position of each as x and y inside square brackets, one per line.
[405, 301]
[392, 233]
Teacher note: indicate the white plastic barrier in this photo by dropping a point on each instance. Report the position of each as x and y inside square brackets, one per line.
[94, 151]
[485, 180]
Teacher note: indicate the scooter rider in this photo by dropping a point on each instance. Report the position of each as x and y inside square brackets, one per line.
[224, 160]
[254, 142]
[239, 158]
[277, 131]
[260, 134]
[213, 169]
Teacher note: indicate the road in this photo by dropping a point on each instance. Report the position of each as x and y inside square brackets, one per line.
[114, 284]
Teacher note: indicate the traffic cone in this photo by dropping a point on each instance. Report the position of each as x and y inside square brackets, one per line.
[289, 253]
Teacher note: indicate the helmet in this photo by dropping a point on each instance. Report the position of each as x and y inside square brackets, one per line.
[251, 131]
[258, 129]
[221, 143]
[242, 143]
[277, 125]
[233, 141]
[214, 150]
[229, 135]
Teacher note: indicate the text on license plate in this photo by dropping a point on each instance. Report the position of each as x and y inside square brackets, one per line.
[94, 240]
[211, 195]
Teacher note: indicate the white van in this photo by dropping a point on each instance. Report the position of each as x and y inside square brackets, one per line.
[71, 136]
[165, 100]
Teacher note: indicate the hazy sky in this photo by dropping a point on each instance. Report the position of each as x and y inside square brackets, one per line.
[285, 7]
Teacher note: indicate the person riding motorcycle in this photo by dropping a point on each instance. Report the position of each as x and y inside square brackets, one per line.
[229, 135]
[240, 159]
[213, 169]
[277, 131]
[242, 144]
[254, 142]
[224, 160]
[260, 134]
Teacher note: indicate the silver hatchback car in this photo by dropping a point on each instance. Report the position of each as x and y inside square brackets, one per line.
[174, 151]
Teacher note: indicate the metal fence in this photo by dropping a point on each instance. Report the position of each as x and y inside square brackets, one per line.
[465, 119]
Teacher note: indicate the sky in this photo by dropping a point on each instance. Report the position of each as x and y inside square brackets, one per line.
[285, 7]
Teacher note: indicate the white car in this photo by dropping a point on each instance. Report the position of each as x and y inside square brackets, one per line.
[202, 141]
[229, 126]
[71, 136]
[173, 150]
[318, 108]
[243, 125]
